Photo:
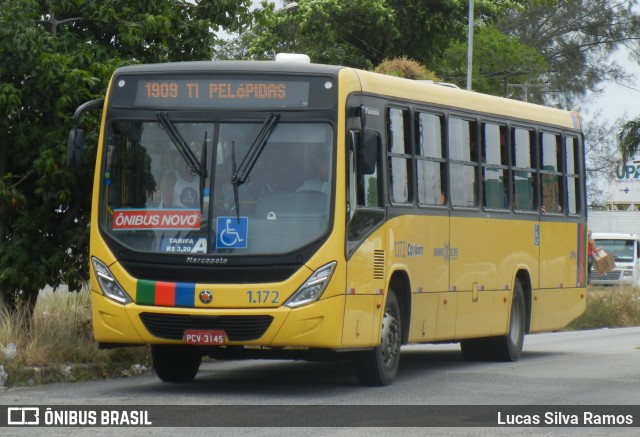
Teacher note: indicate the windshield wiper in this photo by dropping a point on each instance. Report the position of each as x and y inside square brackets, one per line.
[187, 154]
[241, 173]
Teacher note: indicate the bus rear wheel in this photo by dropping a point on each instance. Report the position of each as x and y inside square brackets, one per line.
[509, 347]
[379, 366]
[503, 348]
[175, 363]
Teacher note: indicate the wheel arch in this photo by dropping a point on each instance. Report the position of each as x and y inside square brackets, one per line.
[524, 277]
[401, 285]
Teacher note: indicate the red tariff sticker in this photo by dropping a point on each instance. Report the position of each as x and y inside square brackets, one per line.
[149, 219]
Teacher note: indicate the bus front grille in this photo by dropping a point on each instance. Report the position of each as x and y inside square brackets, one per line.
[236, 328]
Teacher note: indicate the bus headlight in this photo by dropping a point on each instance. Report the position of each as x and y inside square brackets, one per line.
[313, 287]
[108, 284]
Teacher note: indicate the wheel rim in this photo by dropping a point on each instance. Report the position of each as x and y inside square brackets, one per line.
[515, 327]
[390, 345]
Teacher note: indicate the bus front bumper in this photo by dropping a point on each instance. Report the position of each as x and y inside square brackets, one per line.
[317, 325]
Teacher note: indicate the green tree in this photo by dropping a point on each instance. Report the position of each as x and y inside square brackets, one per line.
[57, 54]
[498, 60]
[347, 32]
[576, 39]
[629, 138]
[362, 33]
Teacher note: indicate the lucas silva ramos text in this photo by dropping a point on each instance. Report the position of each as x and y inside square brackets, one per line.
[558, 418]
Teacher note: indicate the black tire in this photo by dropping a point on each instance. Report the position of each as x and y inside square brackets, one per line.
[379, 366]
[175, 363]
[474, 349]
[503, 348]
[509, 347]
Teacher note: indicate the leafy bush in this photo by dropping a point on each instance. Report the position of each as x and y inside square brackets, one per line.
[407, 68]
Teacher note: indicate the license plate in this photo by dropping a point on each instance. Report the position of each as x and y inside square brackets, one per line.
[203, 338]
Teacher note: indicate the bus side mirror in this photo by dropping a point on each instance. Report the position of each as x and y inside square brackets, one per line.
[75, 144]
[368, 156]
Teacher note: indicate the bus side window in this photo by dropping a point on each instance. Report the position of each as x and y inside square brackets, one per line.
[550, 168]
[430, 159]
[463, 162]
[574, 183]
[494, 166]
[399, 155]
[523, 163]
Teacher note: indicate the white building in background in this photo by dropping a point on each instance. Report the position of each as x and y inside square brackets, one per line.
[622, 213]
[624, 190]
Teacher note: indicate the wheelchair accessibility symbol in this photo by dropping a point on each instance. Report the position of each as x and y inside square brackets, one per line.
[232, 234]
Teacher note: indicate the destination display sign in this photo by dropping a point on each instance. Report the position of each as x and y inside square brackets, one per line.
[225, 93]
[222, 92]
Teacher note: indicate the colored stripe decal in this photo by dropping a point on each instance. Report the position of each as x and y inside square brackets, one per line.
[582, 253]
[146, 292]
[185, 295]
[165, 294]
[168, 294]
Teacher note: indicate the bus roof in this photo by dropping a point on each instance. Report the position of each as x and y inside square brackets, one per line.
[381, 84]
[231, 66]
[449, 97]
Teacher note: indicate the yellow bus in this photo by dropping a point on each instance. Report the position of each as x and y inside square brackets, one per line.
[289, 209]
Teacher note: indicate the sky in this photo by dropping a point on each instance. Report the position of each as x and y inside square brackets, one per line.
[616, 100]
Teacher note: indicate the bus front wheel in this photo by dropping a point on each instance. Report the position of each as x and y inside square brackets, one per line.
[175, 363]
[379, 366]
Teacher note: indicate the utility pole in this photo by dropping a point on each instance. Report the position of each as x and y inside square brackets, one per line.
[470, 46]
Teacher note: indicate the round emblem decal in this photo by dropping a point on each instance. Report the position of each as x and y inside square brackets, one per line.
[206, 296]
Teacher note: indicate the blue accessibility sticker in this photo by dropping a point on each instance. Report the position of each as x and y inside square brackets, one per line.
[232, 232]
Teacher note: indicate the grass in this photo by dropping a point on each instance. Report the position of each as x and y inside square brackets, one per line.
[610, 307]
[60, 345]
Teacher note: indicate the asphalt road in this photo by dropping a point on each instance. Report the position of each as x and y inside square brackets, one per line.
[559, 373]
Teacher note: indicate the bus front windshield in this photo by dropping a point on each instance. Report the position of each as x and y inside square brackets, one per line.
[212, 188]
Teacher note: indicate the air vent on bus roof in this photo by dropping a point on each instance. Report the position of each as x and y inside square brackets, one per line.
[293, 57]
[450, 85]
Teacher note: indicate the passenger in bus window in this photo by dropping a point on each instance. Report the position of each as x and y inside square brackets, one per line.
[316, 174]
[180, 186]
